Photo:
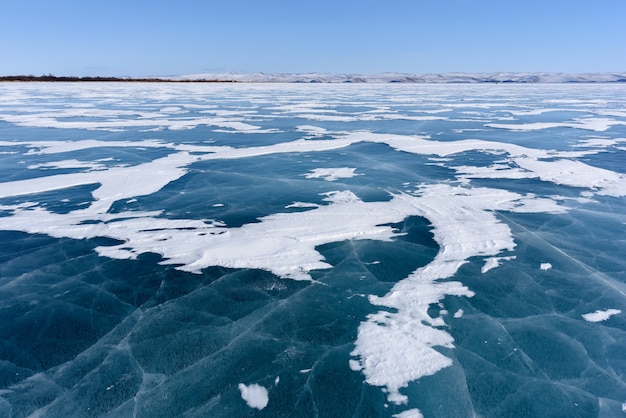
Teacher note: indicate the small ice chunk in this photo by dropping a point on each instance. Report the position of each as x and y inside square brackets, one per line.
[458, 313]
[545, 266]
[599, 315]
[255, 395]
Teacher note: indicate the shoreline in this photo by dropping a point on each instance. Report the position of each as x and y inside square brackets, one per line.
[53, 79]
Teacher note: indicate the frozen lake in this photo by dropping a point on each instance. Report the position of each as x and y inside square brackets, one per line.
[224, 250]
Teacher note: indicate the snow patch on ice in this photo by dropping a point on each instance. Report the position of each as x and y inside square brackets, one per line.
[600, 315]
[312, 130]
[592, 124]
[71, 164]
[576, 174]
[545, 266]
[495, 171]
[255, 395]
[411, 413]
[599, 142]
[57, 147]
[396, 347]
[332, 174]
[493, 262]
[302, 205]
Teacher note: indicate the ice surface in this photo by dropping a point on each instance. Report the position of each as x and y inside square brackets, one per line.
[147, 239]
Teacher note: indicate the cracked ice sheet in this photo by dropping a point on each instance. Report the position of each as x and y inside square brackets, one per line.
[448, 209]
[393, 349]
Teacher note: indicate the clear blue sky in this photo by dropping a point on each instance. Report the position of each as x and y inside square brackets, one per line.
[159, 37]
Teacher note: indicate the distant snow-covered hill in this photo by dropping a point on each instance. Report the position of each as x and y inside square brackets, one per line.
[503, 77]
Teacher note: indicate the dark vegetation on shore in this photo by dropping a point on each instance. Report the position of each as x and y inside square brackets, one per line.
[53, 78]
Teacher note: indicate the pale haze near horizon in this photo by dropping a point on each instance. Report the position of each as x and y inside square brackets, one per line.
[161, 38]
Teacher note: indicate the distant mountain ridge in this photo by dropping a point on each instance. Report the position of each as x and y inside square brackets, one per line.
[500, 77]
